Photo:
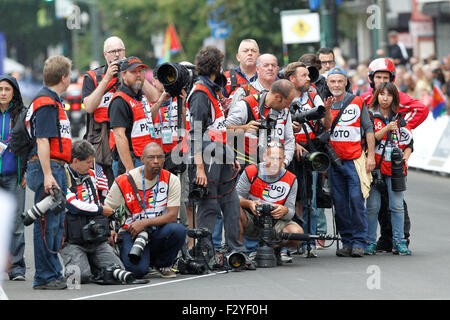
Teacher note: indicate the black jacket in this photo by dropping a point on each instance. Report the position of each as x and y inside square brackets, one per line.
[15, 111]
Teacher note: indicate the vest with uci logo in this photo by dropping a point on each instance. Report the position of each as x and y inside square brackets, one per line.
[271, 193]
[346, 137]
[101, 112]
[301, 135]
[144, 130]
[217, 131]
[405, 138]
[253, 103]
[58, 151]
[156, 200]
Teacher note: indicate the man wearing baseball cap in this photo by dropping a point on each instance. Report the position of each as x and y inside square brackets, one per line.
[130, 117]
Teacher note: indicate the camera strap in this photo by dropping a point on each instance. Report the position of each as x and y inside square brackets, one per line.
[135, 190]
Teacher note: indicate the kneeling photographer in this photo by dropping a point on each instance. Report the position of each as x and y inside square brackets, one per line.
[150, 235]
[268, 183]
[87, 227]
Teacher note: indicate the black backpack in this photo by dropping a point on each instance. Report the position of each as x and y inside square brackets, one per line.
[21, 142]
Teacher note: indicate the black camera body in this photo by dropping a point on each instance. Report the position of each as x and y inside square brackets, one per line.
[197, 263]
[397, 174]
[198, 192]
[114, 274]
[315, 113]
[94, 232]
[378, 181]
[322, 142]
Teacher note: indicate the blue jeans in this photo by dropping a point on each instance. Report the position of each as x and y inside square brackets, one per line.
[351, 215]
[161, 250]
[17, 248]
[397, 212]
[48, 231]
[115, 166]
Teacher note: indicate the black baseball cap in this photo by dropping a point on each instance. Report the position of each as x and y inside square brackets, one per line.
[132, 63]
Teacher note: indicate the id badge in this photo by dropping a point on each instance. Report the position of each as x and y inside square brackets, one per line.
[387, 152]
[152, 132]
[166, 135]
[3, 147]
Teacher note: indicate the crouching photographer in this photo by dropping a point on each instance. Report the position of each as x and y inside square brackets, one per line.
[268, 183]
[150, 235]
[87, 228]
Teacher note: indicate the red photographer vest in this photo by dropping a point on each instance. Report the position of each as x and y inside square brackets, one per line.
[101, 113]
[253, 109]
[234, 81]
[169, 119]
[155, 201]
[217, 131]
[271, 193]
[346, 137]
[300, 137]
[143, 130]
[56, 151]
[405, 138]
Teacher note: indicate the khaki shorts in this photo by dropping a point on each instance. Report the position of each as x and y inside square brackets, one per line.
[251, 229]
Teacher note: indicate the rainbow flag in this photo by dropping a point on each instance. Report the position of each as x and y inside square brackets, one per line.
[171, 44]
[438, 102]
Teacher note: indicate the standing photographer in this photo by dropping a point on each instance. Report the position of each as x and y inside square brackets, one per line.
[350, 122]
[269, 183]
[391, 136]
[99, 85]
[214, 166]
[305, 133]
[131, 116]
[152, 198]
[48, 123]
[87, 227]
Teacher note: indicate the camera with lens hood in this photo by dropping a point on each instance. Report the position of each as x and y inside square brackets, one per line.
[114, 273]
[55, 203]
[397, 171]
[176, 77]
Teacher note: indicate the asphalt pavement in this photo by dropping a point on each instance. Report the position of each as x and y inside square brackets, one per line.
[423, 275]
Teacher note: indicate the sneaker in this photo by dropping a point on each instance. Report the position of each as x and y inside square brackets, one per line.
[152, 272]
[250, 263]
[18, 277]
[401, 248]
[52, 285]
[167, 272]
[370, 249]
[285, 256]
[344, 252]
[357, 252]
[312, 253]
[320, 244]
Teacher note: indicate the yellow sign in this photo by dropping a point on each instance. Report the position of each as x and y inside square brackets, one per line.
[301, 28]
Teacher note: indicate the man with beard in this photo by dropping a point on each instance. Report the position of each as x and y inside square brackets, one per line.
[99, 85]
[298, 74]
[130, 116]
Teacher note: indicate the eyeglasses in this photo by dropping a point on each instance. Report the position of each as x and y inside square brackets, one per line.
[115, 51]
[157, 157]
[327, 62]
